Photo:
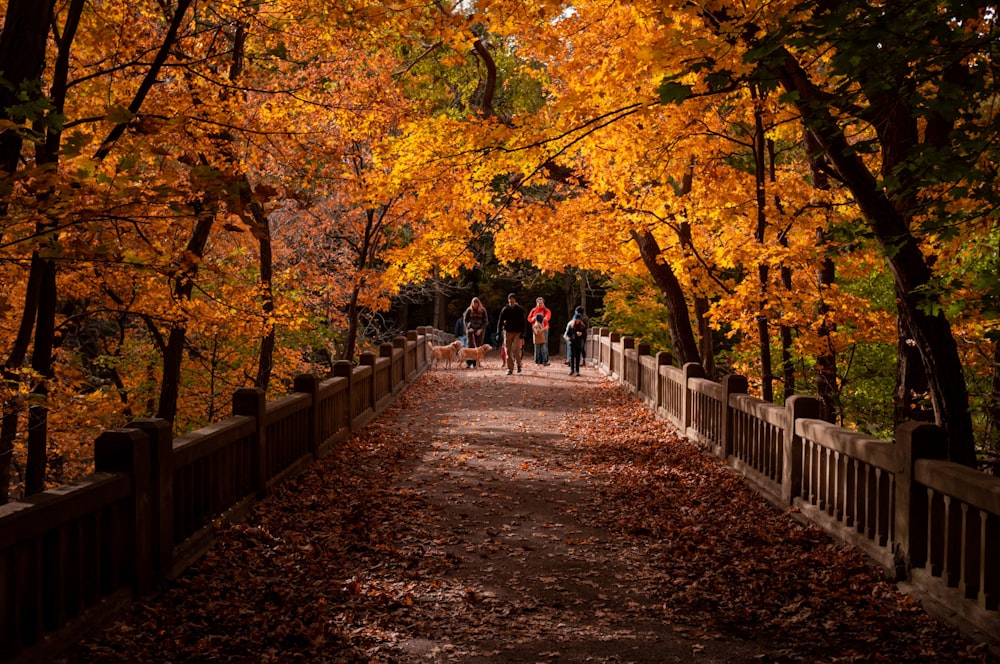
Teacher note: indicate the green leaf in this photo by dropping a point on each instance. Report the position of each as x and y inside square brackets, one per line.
[671, 92]
[120, 115]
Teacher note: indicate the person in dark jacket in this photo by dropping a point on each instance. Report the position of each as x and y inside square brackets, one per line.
[577, 333]
[512, 324]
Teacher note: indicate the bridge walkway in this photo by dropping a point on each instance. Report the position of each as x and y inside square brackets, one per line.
[528, 518]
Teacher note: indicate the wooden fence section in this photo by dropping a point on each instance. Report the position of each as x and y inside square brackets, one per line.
[931, 523]
[71, 556]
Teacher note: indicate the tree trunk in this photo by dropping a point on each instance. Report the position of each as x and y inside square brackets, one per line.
[919, 308]
[23, 44]
[351, 339]
[763, 270]
[22, 60]
[41, 364]
[265, 358]
[684, 347]
[173, 352]
[707, 351]
[827, 389]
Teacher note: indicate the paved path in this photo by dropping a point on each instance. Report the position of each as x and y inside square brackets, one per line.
[514, 508]
[528, 518]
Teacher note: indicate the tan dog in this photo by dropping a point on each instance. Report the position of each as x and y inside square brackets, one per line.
[444, 353]
[476, 354]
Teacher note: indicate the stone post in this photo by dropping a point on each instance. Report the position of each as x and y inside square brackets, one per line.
[128, 451]
[731, 384]
[309, 384]
[368, 360]
[663, 359]
[250, 401]
[647, 392]
[161, 475]
[691, 370]
[797, 407]
[914, 440]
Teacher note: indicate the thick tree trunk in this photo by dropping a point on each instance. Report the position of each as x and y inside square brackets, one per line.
[684, 346]
[22, 59]
[919, 308]
[23, 44]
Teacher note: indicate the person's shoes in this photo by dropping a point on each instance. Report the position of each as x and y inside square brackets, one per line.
[570, 372]
[577, 373]
[545, 364]
[509, 372]
[519, 368]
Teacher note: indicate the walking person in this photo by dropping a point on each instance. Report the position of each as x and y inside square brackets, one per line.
[512, 324]
[460, 331]
[540, 337]
[476, 320]
[546, 314]
[577, 333]
[586, 325]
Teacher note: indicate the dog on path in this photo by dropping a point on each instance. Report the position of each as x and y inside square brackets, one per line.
[444, 354]
[476, 354]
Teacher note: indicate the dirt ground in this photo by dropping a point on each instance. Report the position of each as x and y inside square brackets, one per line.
[536, 517]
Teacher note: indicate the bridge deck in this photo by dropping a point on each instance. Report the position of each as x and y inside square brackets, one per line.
[525, 518]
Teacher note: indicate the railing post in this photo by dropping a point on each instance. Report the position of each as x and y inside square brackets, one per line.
[642, 350]
[385, 350]
[731, 384]
[251, 402]
[368, 360]
[691, 370]
[628, 343]
[423, 335]
[344, 369]
[415, 365]
[663, 359]
[400, 342]
[614, 366]
[914, 440]
[309, 384]
[128, 451]
[797, 407]
[161, 475]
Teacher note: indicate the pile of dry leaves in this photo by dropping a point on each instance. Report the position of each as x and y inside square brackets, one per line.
[487, 518]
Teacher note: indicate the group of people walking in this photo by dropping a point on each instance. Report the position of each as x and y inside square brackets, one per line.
[513, 325]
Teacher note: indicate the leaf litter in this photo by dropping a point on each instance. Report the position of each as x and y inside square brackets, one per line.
[524, 520]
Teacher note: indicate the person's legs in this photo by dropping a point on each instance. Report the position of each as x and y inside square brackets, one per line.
[510, 349]
[472, 344]
[518, 343]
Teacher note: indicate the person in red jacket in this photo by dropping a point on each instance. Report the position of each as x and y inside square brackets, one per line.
[540, 308]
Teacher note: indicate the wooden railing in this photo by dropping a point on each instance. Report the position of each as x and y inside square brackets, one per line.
[931, 523]
[71, 556]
